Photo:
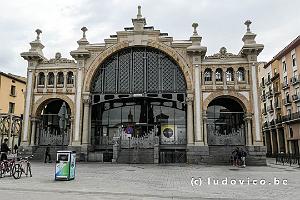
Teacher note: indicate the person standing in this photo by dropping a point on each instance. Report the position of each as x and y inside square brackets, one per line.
[243, 157]
[4, 150]
[47, 154]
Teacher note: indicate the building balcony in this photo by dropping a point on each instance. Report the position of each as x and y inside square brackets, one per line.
[269, 94]
[277, 105]
[268, 82]
[295, 80]
[270, 109]
[276, 76]
[272, 123]
[292, 117]
[285, 86]
[262, 85]
[296, 98]
[265, 125]
[278, 120]
[287, 101]
[276, 91]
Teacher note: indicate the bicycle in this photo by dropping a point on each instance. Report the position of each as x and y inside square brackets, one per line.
[22, 166]
[6, 166]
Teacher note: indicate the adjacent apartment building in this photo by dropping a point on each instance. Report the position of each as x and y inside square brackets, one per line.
[280, 100]
[12, 98]
[12, 90]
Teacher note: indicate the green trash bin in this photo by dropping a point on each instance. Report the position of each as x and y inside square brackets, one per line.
[65, 165]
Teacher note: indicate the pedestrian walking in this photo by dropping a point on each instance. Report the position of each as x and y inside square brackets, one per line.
[47, 154]
[4, 150]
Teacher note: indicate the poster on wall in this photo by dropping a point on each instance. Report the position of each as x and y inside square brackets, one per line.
[167, 134]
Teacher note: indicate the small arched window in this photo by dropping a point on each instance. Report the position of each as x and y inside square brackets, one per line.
[229, 74]
[207, 75]
[70, 78]
[41, 78]
[60, 78]
[241, 74]
[50, 78]
[219, 73]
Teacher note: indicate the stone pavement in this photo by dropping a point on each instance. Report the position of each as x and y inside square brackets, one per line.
[121, 181]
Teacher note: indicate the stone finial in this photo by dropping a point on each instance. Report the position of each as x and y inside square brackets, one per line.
[38, 32]
[58, 56]
[139, 14]
[247, 23]
[84, 29]
[195, 25]
[223, 50]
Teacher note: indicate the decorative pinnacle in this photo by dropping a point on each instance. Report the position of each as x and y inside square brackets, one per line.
[84, 29]
[247, 23]
[38, 32]
[195, 25]
[139, 14]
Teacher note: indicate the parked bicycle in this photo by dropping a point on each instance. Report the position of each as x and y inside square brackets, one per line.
[6, 167]
[22, 166]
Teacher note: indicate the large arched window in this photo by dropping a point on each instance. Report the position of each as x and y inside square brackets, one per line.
[70, 78]
[50, 78]
[229, 74]
[241, 74]
[139, 70]
[208, 75]
[60, 78]
[219, 73]
[41, 78]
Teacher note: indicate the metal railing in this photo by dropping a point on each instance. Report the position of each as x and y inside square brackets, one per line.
[290, 159]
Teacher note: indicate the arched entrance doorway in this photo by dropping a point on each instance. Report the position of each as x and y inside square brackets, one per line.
[48, 130]
[138, 94]
[225, 128]
[225, 122]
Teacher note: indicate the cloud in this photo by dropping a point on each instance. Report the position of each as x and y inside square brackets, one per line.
[275, 22]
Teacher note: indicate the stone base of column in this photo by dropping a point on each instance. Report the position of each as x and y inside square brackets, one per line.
[156, 154]
[197, 154]
[256, 155]
[256, 143]
[199, 143]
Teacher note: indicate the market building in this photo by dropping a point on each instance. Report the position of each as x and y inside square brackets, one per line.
[144, 97]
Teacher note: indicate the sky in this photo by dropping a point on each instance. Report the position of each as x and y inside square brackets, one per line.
[221, 23]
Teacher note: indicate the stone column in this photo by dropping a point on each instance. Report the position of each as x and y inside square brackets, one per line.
[272, 142]
[256, 107]
[28, 105]
[235, 76]
[71, 130]
[86, 116]
[205, 127]
[249, 135]
[76, 138]
[278, 141]
[190, 124]
[213, 78]
[33, 131]
[197, 103]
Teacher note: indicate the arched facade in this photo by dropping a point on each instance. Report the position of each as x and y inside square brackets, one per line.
[144, 85]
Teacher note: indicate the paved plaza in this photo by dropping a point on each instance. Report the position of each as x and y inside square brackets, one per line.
[116, 181]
